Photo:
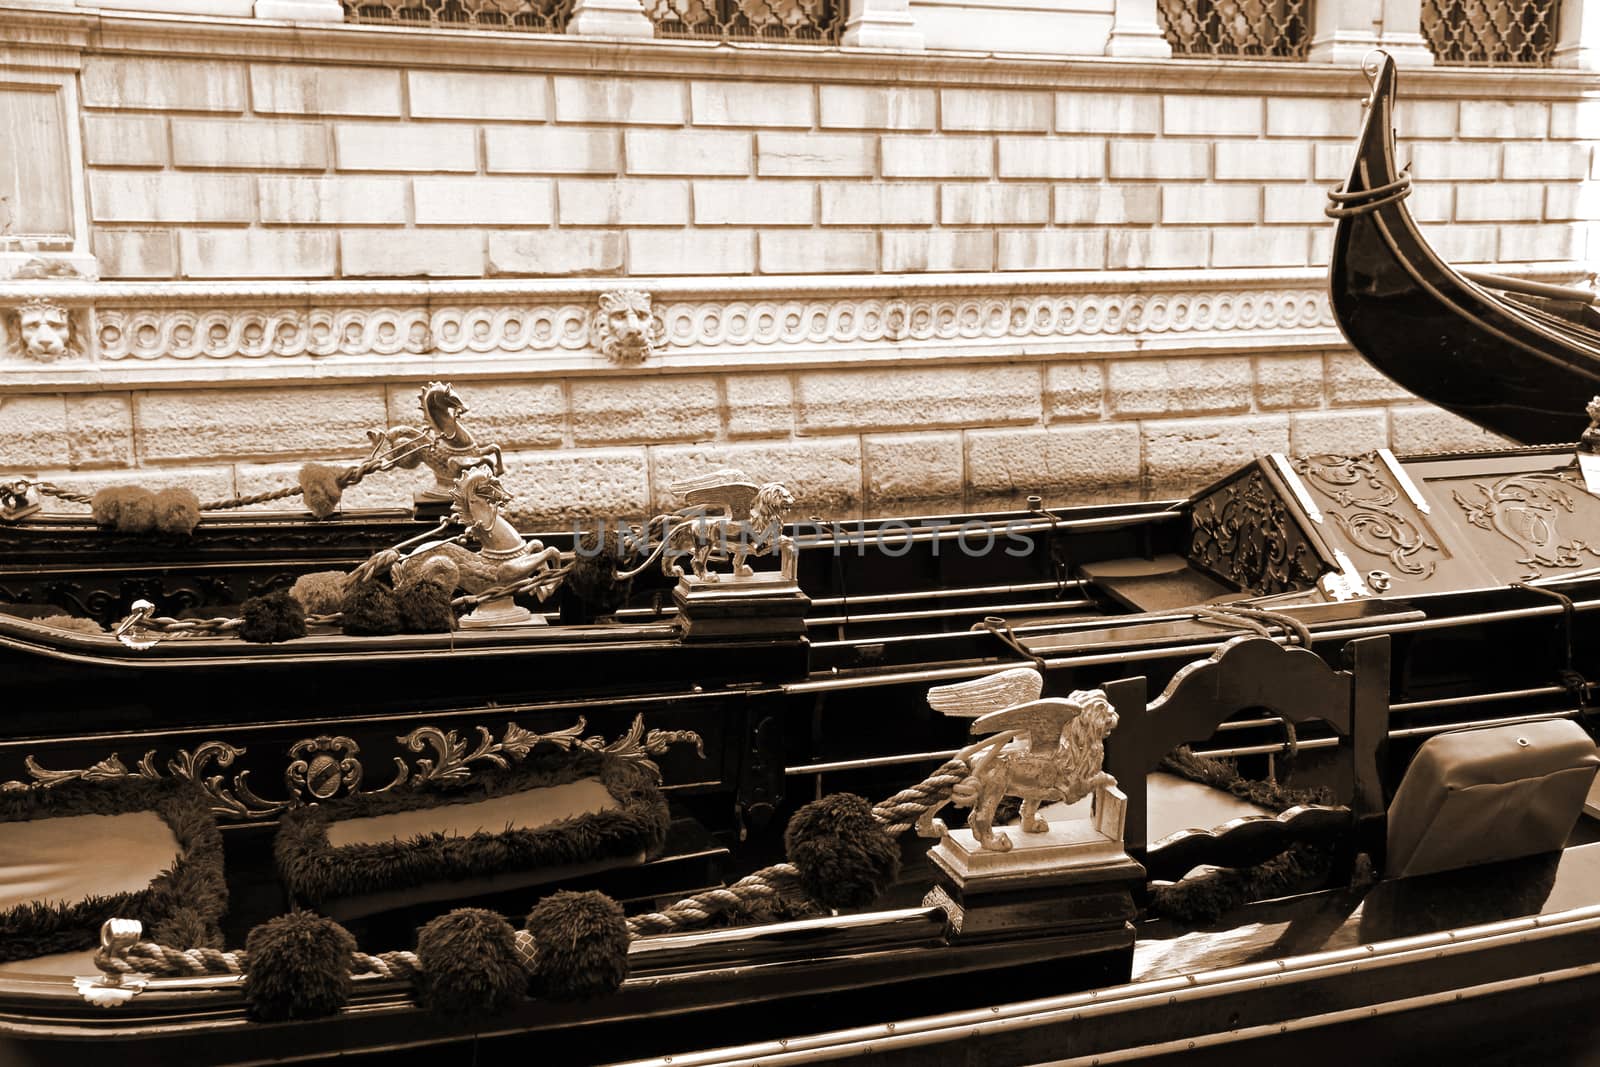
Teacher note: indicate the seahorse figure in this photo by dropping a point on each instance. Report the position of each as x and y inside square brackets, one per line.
[502, 555]
[444, 446]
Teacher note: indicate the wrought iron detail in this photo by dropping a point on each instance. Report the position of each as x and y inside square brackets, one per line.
[1491, 33]
[325, 767]
[1249, 29]
[1245, 534]
[514, 16]
[1363, 489]
[794, 21]
[1525, 509]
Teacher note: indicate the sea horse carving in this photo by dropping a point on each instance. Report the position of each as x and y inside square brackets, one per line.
[502, 555]
[1040, 750]
[444, 446]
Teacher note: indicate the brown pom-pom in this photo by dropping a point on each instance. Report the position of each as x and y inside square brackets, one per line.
[580, 945]
[844, 857]
[425, 608]
[321, 593]
[126, 509]
[270, 618]
[370, 611]
[319, 488]
[74, 623]
[299, 967]
[470, 965]
[177, 511]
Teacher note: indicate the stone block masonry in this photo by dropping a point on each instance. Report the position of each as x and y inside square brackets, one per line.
[851, 439]
[1018, 260]
[954, 169]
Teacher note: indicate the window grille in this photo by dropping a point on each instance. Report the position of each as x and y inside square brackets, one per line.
[1491, 33]
[793, 21]
[514, 16]
[1248, 29]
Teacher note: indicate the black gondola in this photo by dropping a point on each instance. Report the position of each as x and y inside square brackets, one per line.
[1517, 358]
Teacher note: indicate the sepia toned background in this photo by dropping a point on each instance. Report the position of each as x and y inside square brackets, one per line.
[896, 252]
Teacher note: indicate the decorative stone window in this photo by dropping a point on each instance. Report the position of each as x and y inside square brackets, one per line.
[43, 228]
[1491, 33]
[1248, 29]
[795, 21]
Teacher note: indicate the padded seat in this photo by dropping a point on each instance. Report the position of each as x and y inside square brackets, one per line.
[547, 820]
[79, 853]
[1480, 796]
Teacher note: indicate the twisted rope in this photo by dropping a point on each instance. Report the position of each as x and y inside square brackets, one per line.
[780, 883]
[147, 957]
[345, 479]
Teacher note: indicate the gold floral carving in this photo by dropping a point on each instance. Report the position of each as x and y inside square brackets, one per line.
[325, 767]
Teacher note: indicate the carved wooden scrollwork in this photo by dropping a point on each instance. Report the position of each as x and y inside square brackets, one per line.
[1366, 508]
[324, 767]
[1527, 509]
[1243, 533]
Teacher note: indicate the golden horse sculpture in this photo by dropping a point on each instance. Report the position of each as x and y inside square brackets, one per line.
[502, 556]
[1042, 751]
[725, 516]
[443, 445]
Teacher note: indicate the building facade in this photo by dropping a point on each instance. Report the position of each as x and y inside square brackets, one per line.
[897, 252]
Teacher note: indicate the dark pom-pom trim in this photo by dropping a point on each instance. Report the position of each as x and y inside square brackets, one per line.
[186, 928]
[273, 617]
[177, 511]
[470, 964]
[845, 859]
[127, 509]
[299, 967]
[581, 943]
[370, 610]
[592, 589]
[425, 608]
[320, 489]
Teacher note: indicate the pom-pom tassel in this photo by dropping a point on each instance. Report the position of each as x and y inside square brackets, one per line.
[126, 509]
[580, 946]
[271, 618]
[844, 858]
[425, 608]
[470, 965]
[177, 511]
[322, 592]
[320, 489]
[370, 610]
[299, 967]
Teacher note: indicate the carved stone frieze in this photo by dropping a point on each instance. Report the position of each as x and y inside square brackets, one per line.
[630, 331]
[324, 767]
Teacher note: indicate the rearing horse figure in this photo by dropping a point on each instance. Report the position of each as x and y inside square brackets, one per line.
[501, 558]
[445, 446]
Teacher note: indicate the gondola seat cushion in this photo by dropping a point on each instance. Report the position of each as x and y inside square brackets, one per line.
[1481, 796]
[552, 818]
[81, 852]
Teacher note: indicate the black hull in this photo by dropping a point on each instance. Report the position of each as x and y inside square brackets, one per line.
[1488, 358]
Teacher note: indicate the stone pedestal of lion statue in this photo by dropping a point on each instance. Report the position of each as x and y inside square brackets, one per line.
[1064, 877]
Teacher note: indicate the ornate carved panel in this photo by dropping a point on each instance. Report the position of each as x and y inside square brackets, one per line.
[1365, 501]
[1536, 515]
[1244, 534]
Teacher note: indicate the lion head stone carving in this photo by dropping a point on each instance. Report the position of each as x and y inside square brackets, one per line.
[41, 330]
[623, 328]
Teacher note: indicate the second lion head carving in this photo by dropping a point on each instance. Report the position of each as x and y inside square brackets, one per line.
[624, 329]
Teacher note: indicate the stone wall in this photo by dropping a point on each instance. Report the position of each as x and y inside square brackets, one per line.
[881, 277]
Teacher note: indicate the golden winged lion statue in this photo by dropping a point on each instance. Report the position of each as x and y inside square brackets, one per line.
[1040, 750]
[724, 516]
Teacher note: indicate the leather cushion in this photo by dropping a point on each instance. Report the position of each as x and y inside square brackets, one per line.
[77, 857]
[1482, 796]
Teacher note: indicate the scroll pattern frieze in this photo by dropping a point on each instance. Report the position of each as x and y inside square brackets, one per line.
[128, 334]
